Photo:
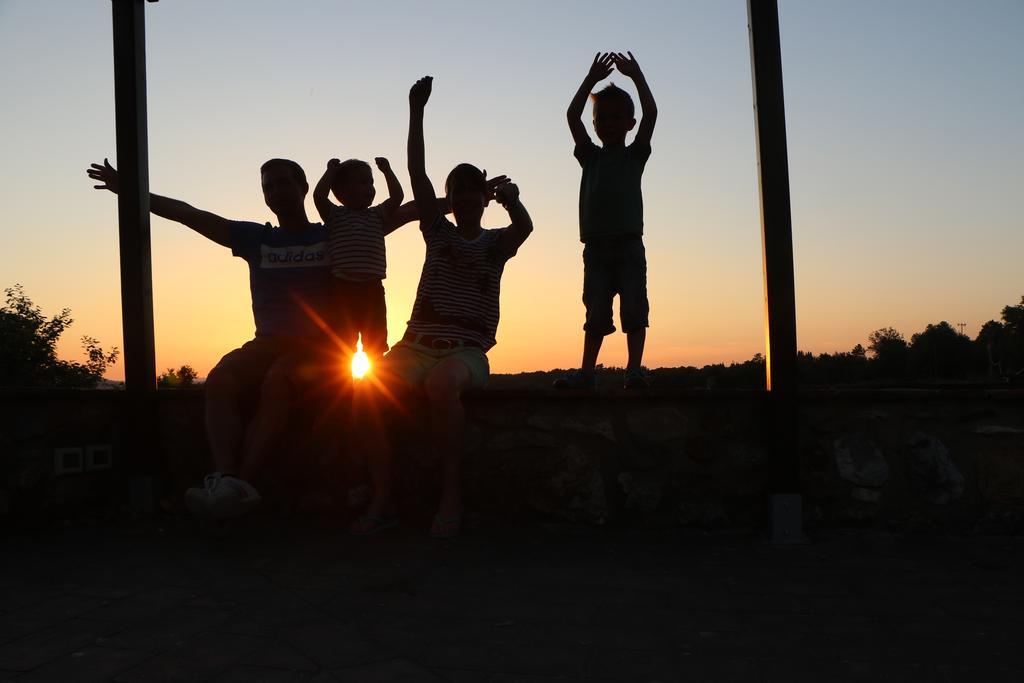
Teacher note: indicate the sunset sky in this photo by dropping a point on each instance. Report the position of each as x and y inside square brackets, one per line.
[906, 140]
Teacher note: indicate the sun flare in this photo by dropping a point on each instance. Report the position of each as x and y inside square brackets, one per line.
[360, 361]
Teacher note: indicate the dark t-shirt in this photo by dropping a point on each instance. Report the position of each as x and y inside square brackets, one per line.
[288, 277]
[610, 199]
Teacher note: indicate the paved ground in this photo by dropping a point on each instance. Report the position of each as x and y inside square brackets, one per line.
[290, 601]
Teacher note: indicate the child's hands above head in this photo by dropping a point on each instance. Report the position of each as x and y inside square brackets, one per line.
[602, 67]
[333, 164]
[627, 66]
[419, 93]
[382, 163]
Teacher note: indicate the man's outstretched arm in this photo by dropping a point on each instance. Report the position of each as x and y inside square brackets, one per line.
[210, 226]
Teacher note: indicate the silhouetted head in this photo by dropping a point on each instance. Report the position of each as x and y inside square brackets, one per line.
[353, 184]
[466, 190]
[284, 186]
[613, 114]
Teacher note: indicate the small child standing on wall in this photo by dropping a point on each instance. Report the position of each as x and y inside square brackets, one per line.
[611, 215]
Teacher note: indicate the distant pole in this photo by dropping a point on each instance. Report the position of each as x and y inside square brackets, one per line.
[779, 289]
[133, 196]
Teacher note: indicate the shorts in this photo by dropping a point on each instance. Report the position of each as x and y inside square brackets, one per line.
[359, 308]
[305, 362]
[412, 363]
[615, 265]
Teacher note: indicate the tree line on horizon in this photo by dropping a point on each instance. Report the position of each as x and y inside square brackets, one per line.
[938, 353]
[935, 354]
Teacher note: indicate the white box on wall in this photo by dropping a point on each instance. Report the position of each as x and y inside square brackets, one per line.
[99, 457]
[68, 460]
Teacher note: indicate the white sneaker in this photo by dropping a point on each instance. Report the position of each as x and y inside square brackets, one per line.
[197, 498]
[221, 497]
[232, 497]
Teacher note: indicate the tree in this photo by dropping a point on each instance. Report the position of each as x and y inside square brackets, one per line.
[28, 348]
[889, 353]
[990, 348]
[184, 376]
[940, 351]
[1013, 317]
[842, 367]
[999, 346]
[1013, 338]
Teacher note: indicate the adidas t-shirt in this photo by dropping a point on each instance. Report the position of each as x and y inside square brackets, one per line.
[288, 277]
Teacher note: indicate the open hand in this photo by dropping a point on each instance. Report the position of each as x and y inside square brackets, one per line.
[419, 93]
[602, 66]
[627, 66]
[382, 164]
[105, 174]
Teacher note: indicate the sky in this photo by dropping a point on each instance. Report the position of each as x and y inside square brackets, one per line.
[904, 129]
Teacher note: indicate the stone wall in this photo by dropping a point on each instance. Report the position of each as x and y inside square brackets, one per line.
[917, 459]
[909, 459]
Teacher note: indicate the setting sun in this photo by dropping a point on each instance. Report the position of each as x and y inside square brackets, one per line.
[360, 361]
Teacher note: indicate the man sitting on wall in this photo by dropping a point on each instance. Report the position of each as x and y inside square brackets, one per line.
[288, 277]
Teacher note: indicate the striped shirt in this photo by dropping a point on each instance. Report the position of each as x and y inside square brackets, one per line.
[355, 244]
[457, 297]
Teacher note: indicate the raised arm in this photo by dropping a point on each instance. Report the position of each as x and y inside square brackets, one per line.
[395, 192]
[321, 193]
[210, 226]
[522, 225]
[628, 66]
[422, 190]
[599, 71]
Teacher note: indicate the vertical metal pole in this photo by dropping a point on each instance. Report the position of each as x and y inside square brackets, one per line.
[133, 196]
[777, 245]
[140, 419]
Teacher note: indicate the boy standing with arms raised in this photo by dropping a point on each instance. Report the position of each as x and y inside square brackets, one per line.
[611, 215]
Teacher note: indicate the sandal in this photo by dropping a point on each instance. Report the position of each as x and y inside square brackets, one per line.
[446, 527]
[368, 525]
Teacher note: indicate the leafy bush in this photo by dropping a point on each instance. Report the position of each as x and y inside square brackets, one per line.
[184, 376]
[28, 343]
